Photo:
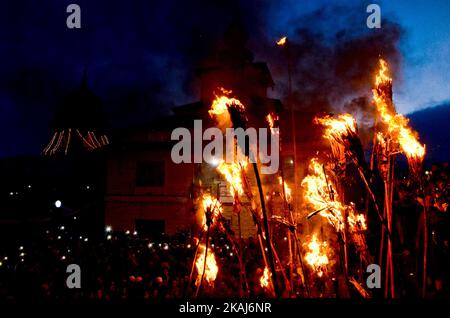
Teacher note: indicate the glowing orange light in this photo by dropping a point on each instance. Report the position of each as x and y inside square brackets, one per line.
[211, 205]
[282, 41]
[316, 257]
[337, 127]
[220, 105]
[396, 124]
[272, 120]
[264, 279]
[211, 269]
[232, 172]
[287, 190]
[356, 221]
[322, 196]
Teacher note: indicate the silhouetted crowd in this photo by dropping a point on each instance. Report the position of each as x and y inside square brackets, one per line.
[119, 267]
[129, 266]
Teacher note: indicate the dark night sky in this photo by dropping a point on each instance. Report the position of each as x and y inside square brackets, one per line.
[140, 55]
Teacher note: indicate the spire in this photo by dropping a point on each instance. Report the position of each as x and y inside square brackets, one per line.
[235, 40]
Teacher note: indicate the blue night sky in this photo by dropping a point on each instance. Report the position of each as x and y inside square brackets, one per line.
[425, 44]
[140, 55]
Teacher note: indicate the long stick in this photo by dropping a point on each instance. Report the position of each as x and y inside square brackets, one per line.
[283, 272]
[195, 257]
[287, 208]
[204, 263]
[294, 130]
[372, 196]
[267, 233]
[240, 254]
[425, 248]
[391, 195]
[299, 255]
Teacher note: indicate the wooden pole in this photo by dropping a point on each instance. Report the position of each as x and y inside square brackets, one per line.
[204, 263]
[241, 246]
[425, 248]
[293, 126]
[391, 196]
[388, 193]
[195, 257]
[266, 230]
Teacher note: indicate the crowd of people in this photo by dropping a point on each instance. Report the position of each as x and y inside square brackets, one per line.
[119, 266]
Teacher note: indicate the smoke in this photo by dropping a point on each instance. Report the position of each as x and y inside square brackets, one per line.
[142, 57]
[332, 53]
[333, 68]
[334, 57]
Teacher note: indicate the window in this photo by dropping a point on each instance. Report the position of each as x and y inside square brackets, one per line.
[150, 174]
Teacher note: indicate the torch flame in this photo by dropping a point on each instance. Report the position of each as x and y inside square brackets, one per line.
[316, 257]
[396, 124]
[357, 222]
[338, 127]
[287, 190]
[265, 279]
[211, 268]
[220, 105]
[210, 205]
[322, 196]
[232, 172]
[282, 41]
[272, 120]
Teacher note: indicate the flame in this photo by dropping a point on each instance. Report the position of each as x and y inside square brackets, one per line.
[396, 124]
[337, 128]
[282, 41]
[287, 189]
[220, 105]
[272, 120]
[320, 195]
[211, 268]
[264, 279]
[211, 205]
[232, 172]
[317, 258]
[383, 77]
[356, 222]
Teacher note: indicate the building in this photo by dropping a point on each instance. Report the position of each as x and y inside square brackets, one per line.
[147, 192]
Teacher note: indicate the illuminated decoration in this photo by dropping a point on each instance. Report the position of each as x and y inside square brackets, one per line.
[61, 141]
[78, 123]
